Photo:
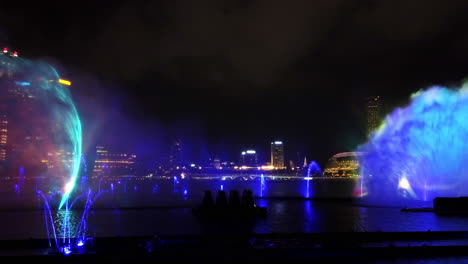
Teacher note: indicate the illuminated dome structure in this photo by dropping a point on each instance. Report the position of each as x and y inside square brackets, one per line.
[343, 164]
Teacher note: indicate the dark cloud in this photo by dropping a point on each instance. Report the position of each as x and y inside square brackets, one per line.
[250, 45]
[215, 43]
[240, 45]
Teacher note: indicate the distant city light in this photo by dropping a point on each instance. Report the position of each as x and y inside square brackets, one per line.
[192, 165]
[15, 54]
[80, 243]
[65, 82]
[278, 142]
[251, 152]
[221, 187]
[267, 167]
[243, 152]
[5, 50]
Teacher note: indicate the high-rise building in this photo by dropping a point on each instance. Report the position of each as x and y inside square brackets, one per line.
[249, 158]
[374, 113]
[277, 154]
[24, 135]
[6, 81]
[175, 156]
[3, 130]
[217, 163]
[113, 164]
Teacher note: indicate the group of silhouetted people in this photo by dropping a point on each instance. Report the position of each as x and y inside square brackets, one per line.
[234, 201]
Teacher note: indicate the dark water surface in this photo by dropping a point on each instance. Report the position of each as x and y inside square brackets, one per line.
[284, 216]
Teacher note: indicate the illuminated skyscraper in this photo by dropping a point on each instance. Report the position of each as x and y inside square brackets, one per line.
[3, 130]
[374, 113]
[27, 132]
[175, 156]
[249, 158]
[6, 80]
[277, 154]
[23, 125]
[217, 163]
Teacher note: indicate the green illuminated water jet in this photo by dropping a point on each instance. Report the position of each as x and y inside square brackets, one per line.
[41, 82]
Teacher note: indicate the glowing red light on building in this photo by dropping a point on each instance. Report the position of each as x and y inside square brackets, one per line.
[5, 49]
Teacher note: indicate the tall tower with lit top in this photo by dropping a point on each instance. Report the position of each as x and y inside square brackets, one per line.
[277, 154]
[374, 113]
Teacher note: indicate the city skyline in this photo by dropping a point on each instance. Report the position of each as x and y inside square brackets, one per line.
[150, 77]
[232, 130]
[175, 155]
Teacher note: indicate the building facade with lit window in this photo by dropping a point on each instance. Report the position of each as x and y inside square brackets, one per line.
[277, 155]
[60, 161]
[175, 154]
[3, 130]
[374, 113]
[6, 81]
[24, 139]
[345, 164]
[113, 164]
[249, 158]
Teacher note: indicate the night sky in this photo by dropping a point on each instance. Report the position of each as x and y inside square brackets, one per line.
[230, 74]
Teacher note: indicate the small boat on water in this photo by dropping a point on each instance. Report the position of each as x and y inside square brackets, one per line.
[235, 207]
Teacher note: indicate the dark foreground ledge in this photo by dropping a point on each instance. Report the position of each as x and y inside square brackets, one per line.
[261, 248]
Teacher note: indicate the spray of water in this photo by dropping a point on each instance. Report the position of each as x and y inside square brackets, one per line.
[420, 151]
[313, 170]
[41, 82]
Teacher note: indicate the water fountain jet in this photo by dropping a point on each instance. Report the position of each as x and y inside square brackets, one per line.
[420, 152]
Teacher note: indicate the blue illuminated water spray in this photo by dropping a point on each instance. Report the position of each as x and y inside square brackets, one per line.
[262, 185]
[312, 170]
[421, 151]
